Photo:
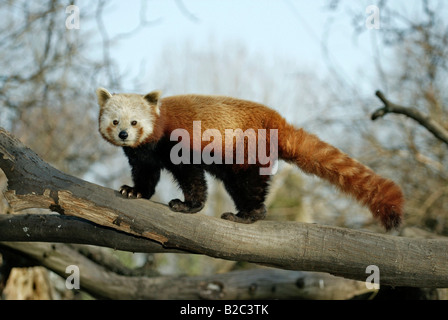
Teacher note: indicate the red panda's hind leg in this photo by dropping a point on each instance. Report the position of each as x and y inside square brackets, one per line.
[248, 190]
[246, 217]
[178, 205]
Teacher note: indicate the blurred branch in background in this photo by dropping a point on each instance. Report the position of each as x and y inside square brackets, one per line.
[48, 75]
[389, 107]
[46, 80]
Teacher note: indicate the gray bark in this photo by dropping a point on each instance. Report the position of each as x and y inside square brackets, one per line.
[287, 245]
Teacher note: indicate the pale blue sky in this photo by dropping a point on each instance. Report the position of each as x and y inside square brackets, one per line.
[274, 29]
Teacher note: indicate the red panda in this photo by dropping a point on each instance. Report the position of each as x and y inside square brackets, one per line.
[144, 126]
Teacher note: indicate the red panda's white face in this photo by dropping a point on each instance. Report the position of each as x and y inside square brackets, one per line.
[127, 119]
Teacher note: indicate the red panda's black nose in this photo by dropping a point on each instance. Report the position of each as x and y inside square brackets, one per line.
[123, 135]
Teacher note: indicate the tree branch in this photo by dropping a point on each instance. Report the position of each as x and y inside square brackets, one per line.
[286, 245]
[432, 126]
[67, 229]
[248, 284]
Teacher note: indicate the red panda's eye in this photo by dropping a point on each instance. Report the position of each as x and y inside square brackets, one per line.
[134, 123]
[115, 122]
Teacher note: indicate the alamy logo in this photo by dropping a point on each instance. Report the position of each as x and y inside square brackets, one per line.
[373, 281]
[236, 142]
[73, 280]
[373, 20]
[72, 21]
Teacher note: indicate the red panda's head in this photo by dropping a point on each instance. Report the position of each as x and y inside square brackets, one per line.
[127, 119]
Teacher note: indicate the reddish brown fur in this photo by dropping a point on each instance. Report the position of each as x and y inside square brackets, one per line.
[382, 196]
[214, 112]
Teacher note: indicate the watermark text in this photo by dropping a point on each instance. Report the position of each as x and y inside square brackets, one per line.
[238, 147]
[373, 20]
[373, 281]
[73, 280]
[72, 21]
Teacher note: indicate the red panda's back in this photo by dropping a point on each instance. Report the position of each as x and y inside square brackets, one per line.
[216, 112]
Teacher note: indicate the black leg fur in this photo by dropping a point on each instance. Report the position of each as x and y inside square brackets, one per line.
[248, 190]
[145, 179]
[191, 180]
[145, 170]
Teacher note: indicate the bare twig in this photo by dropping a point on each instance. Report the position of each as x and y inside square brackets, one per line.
[432, 126]
[186, 12]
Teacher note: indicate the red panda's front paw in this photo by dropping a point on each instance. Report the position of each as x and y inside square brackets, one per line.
[129, 192]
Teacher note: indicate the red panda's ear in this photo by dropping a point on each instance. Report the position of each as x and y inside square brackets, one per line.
[153, 99]
[103, 95]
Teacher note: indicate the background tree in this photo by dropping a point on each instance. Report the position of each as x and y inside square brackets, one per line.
[47, 80]
[410, 59]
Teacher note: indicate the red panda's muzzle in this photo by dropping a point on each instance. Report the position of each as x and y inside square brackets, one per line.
[123, 135]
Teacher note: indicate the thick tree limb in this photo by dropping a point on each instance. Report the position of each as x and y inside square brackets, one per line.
[67, 229]
[287, 245]
[249, 284]
[432, 126]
